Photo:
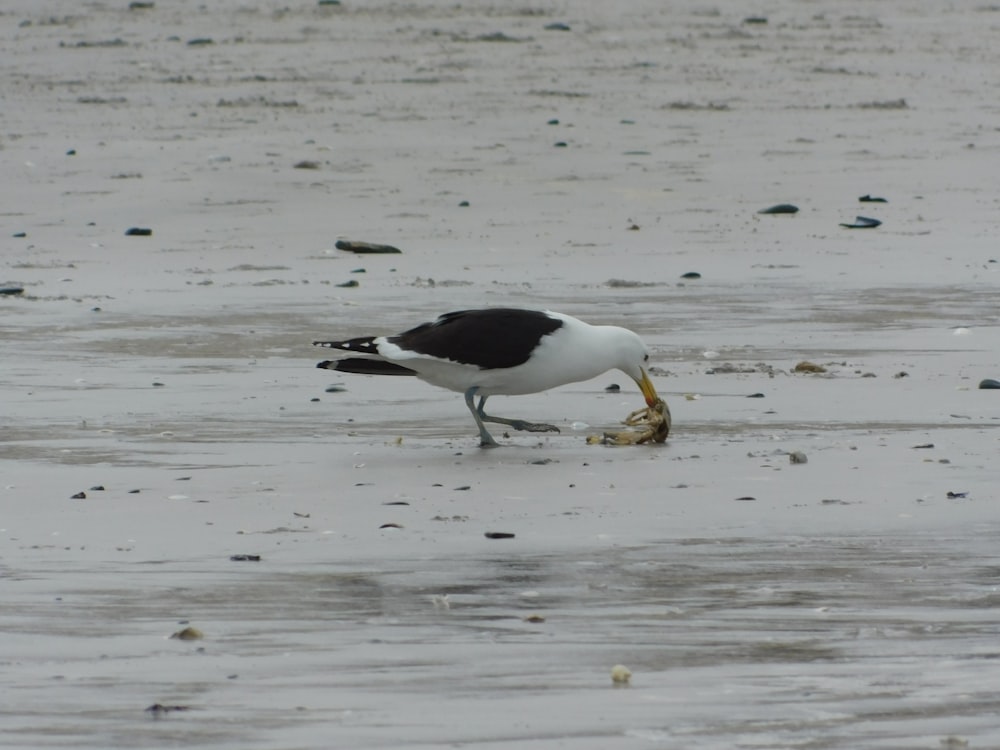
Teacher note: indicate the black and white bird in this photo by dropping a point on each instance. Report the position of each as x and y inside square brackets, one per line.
[500, 352]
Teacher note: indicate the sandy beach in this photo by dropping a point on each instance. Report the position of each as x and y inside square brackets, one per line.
[171, 458]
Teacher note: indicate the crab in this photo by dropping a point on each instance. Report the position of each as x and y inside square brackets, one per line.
[654, 421]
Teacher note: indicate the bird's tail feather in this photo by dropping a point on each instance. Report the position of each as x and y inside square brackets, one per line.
[363, 366]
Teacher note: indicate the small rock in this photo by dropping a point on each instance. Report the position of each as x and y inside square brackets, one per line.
[79, 496]
[691, 275]
[11, 291]
[188, 634]
[159, 708]
[957, 495]
[806, 366]
[989, 384]
[862, 222]
[138, 232]
[365, 247]
[613, 388]
[557, 26]
[307, 164]
[745, 499]
[245, 558]
[781, 208]
[621, 675]
[498, 535]
[872, 199]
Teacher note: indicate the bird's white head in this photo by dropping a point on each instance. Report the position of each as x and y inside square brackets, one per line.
[633, 360]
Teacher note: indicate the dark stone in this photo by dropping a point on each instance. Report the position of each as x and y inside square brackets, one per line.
[138, 232]
[781, 208]
[989, 384]
[862, 222]
[365, 247]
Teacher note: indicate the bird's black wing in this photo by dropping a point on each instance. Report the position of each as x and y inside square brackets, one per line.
[491, 339]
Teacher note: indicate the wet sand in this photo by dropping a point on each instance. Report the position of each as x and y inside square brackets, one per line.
[847, 602]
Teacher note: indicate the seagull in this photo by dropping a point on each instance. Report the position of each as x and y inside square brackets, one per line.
[500, 352]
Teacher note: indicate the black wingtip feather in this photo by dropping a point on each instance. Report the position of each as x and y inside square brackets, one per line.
[364, 345]
[363, 366]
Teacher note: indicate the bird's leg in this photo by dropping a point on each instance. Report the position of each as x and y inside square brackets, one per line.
[517, 424]
[485, 438]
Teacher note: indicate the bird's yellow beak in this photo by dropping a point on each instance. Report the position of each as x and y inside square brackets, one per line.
[648, 391]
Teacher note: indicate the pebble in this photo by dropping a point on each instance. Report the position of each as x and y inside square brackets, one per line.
[188, 634]
[781, 208]
[11, 291]
[349, 284]
[691, 275]
[613, 388]
[620, 674]
[79, 496]
[557, 26]
[159, 708]
[138, 232]
[989, 384]
[245, 558]
[872, 199]
[806, 366]
[498, 535]
[365, 247]
[862, 222]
